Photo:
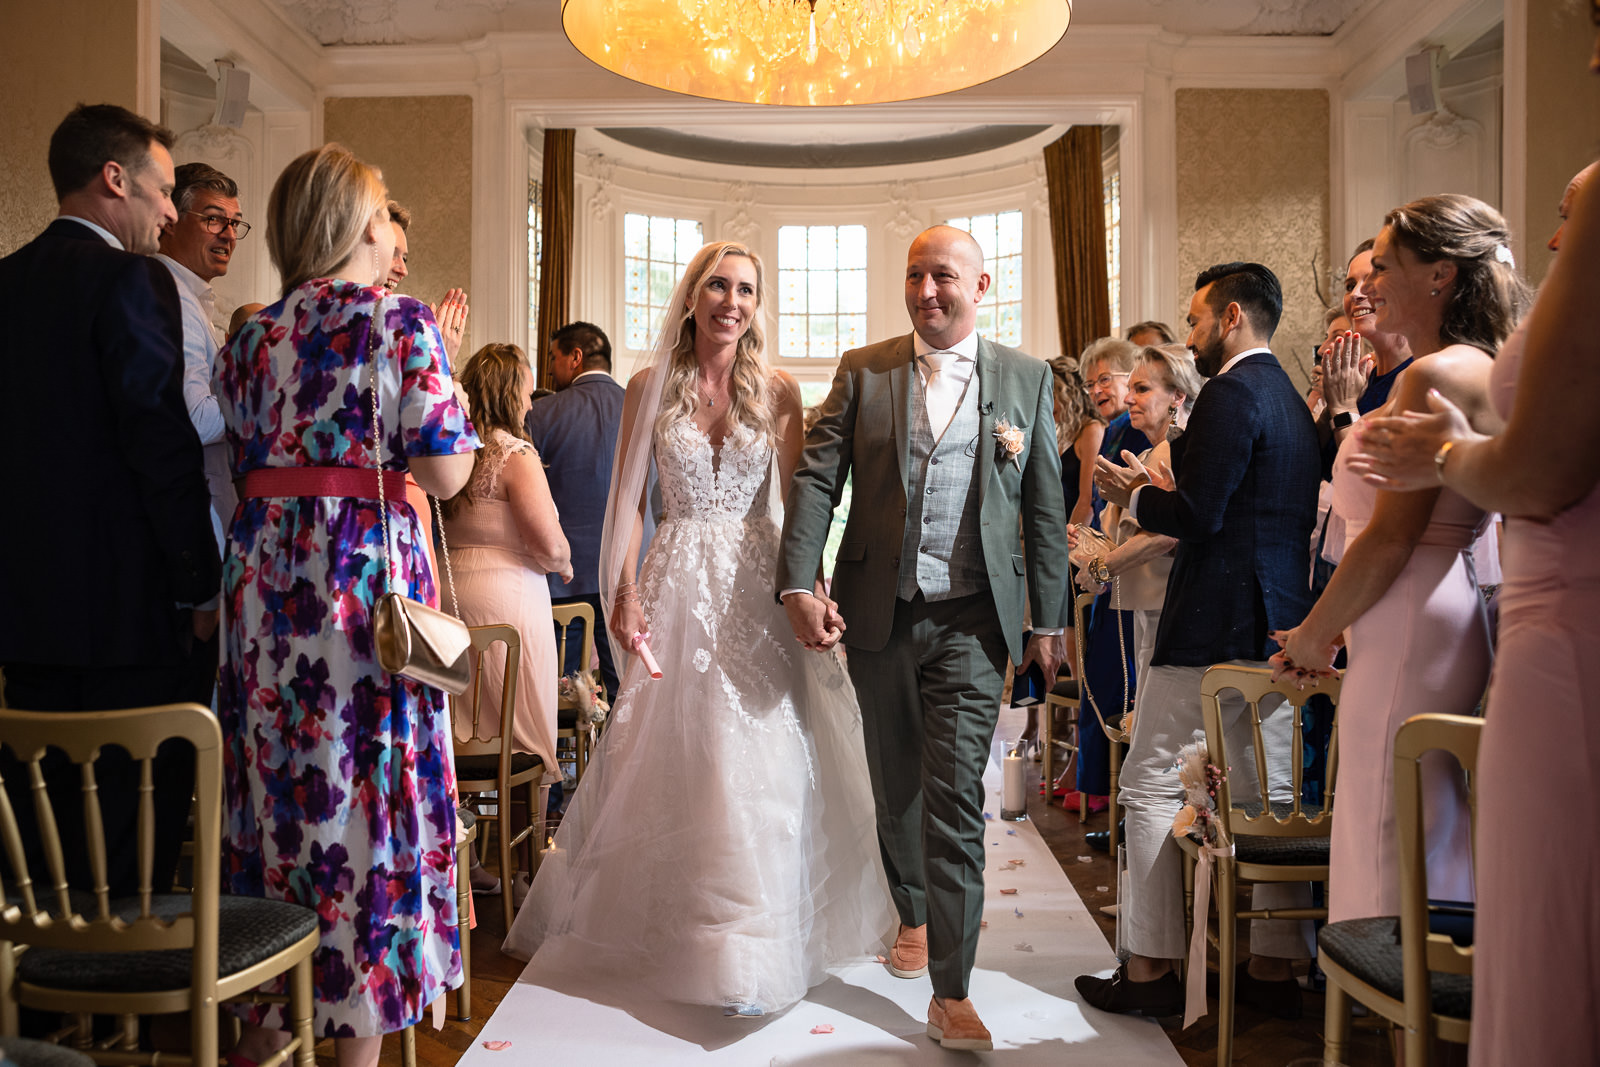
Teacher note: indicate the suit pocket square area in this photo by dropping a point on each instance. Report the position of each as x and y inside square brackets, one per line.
[1019, 564]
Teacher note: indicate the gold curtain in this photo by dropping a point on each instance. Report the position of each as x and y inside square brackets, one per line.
[1078, 237]
[555, 271]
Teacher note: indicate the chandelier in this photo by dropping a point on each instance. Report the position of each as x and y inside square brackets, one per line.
[814, 52]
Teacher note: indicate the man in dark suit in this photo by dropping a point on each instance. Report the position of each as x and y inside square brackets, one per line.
[951, 442]
[98, 586]
[575, 431]
[1242, 510]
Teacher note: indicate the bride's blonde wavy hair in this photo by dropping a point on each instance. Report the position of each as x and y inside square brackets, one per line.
[749, 406]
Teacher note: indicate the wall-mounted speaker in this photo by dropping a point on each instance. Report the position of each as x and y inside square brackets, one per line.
[1422, 80]
[233, 93]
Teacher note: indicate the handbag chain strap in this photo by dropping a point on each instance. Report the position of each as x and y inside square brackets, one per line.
[373, 333]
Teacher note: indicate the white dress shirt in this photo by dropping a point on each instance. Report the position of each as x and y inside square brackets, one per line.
[944, 374]
[200, 346]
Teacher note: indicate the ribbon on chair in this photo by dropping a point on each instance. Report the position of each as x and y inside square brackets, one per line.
[1194, 1001]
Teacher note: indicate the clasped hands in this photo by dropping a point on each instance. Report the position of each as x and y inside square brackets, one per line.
[1301, 658]
[814, 618]
[1117, 484]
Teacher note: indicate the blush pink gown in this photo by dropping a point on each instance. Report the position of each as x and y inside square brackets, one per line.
[1537, 966]
[498, 582]
[1423, 647]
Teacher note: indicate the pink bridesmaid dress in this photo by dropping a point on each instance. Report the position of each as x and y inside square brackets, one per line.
[498, 582]
[1424, 646]
[1537, 965]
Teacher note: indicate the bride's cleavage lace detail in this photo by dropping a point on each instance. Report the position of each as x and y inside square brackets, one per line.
[699, 481]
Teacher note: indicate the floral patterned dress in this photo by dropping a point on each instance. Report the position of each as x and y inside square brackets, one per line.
[338, 776]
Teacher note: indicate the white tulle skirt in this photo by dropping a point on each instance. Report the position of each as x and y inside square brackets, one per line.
[721, 847]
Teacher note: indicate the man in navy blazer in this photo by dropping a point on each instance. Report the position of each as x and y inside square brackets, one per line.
[99, 588]
[575, 431]
[1242, 508]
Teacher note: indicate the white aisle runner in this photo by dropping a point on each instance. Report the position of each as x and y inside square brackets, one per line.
[1038, 939]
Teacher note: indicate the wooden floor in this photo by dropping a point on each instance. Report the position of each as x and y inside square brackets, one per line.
[1259, 1041]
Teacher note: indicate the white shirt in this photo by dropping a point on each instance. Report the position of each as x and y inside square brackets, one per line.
[200, 345]
[1133, 501]
[957, 365]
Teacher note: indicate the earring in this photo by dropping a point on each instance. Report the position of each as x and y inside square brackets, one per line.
[1433, 292]
[1172, 415]
[377, 267]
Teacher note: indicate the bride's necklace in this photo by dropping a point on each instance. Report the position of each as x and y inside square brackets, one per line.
[711, 397]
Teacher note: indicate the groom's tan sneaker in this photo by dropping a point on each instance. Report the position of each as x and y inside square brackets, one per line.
[909, 956]
[955, 1025]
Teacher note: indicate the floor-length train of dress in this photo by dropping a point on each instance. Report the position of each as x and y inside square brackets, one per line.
[1423, 647]
[720, 849]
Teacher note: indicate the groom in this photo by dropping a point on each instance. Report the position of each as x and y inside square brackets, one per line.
[951, 441]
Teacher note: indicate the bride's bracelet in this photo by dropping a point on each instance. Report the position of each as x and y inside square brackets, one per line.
[629, 597]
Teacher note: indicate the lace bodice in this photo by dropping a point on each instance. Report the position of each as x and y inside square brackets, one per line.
[496, 451]
[698, 482]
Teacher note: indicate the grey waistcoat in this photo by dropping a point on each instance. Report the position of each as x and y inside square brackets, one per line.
[942, 531]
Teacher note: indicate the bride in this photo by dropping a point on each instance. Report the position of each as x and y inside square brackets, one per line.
[721, 849]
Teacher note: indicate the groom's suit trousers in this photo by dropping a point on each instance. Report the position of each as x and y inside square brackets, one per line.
[929, 702]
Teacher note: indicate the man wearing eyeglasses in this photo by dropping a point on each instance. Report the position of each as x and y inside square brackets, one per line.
[197, 249]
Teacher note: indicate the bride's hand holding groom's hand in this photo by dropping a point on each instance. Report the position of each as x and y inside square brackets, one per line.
[815, 620]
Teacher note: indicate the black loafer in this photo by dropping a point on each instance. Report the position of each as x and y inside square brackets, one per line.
[1118, 994]
[1281, 999]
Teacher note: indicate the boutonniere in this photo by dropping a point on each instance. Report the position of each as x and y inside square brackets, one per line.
[1007, 442]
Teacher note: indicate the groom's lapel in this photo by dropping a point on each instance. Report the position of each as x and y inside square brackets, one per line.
[900, 404]
[988, 410]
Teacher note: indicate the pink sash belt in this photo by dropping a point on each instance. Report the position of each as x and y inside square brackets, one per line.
[359, 483]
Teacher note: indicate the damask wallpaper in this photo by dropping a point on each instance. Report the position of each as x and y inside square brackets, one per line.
[88, 60]
[423, 145]
[1253, 185]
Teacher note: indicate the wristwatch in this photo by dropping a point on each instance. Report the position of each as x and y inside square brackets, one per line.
[1341, 420]
[1099, 571]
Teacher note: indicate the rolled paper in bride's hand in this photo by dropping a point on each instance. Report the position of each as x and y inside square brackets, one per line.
[641, 646]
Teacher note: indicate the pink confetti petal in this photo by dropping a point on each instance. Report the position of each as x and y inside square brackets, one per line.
[983, 924]
[1022, 946]
[1008, 892]
[497, 1046]
[822, 1028]
[881, 959]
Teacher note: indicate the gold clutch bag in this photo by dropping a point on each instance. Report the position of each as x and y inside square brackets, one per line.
[410, 638]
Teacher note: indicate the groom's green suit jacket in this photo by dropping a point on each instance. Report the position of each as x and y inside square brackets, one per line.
[865, 429]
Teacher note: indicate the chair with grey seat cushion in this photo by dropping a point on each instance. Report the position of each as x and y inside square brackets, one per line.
[87, 953]
[1279, 841]
[21, 1052]
[1400, 966]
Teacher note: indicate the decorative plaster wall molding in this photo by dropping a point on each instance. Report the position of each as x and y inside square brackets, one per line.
[215, 145]
[602, 202]
[741, 226]
[905, 224]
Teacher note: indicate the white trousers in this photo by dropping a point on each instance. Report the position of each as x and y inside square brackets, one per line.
[1168, 717]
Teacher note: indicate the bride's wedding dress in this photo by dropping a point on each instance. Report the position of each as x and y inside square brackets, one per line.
[721, 848]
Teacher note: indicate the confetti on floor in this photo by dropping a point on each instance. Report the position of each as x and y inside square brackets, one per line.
[988, 815]
[1022, 946]
[1008, 892]
[1017, 863]
[983, 924]
[882, 959]
[1011, 833]
[1018, 912]
[1085, 859]
[1102, 889]
[822, 1028]
[497, 1046]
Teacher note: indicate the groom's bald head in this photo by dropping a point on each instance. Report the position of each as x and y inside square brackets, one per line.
[944, 282]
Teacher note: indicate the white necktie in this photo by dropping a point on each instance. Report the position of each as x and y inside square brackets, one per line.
[942, 391]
